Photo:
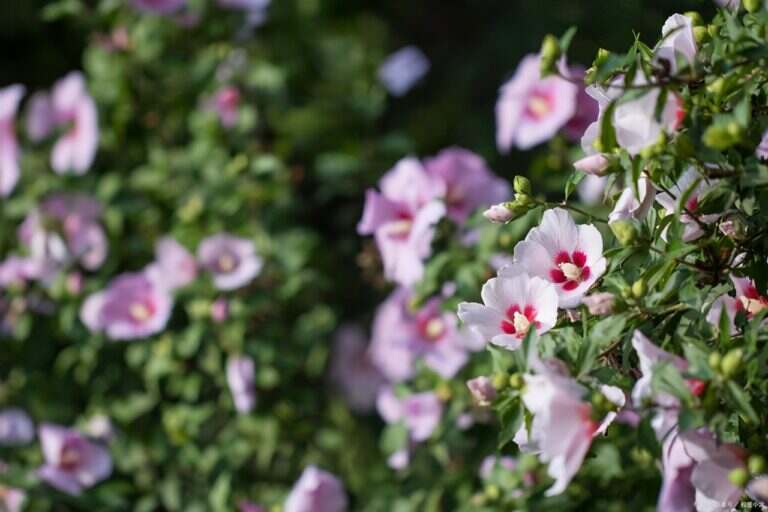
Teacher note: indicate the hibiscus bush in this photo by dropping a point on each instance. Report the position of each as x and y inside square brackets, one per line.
[195, 229]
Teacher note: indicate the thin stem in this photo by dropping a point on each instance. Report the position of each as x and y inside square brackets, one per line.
[577, 210]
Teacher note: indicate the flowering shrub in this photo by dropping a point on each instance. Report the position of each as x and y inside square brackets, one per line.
[176, 302]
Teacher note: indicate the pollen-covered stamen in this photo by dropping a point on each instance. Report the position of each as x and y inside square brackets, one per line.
[226, 263]
[539, 105]
[400, 228]
[434, 329]
[570, 270]
[140, 311]
[70, 457]
[519, 322]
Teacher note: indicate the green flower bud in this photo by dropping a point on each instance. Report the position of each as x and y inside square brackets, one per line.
[492, 492]
[756, 464]
[500, 381]
[713, 30]
[516, 381]
[752, 5]
[550, 52]
[695, 17]
[716, 87]
[639, 288]
[625, 232]
[522, 185]
[715, 360]
[701, 34]
[732, 362]
[721, 137]
[602, 56]
[738, 477]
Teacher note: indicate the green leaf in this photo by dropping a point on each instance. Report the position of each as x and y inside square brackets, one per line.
[667, 379]
[742, 402]
[511, 414]
[603, 333]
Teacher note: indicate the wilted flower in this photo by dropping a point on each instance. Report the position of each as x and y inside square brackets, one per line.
[401, 336]
[600, 303]
[132, 306]
[401, 70]
[316, 491]
[74, 109]
[563, 425]
[159, 6]
[402, 219]
[420, 412]
[512, 305]
[16, 427]
[9, 146]
[630, 206]
[353, 371]
[467, 181]
[692, 230]
[232, 261]
[531, 109]
[63, 229]
[174, 266]
[72, 462]
[241, 373]
[561, 252]
[482, 390]
[678, 42]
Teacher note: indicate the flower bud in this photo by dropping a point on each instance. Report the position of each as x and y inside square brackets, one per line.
[732, 362]
[593, 164]
[639, 288]
[482, 391]
[713, 30]
[599, 304]
[752, 5]
[499, 213]
[695, 17]
[717, 87]
[516, 381]
[550, 52]
[700, 34]
[625, 231]
[602, 56]
[756, 464]
[500, 381]
[734, 229]
[738, 477]
[522, 185]
[721, 137]
[715, 360]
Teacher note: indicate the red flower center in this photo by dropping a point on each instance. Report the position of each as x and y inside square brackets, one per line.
[400, 228]
[751, 303]
[519, 320]
[570, 270]
[540, 104]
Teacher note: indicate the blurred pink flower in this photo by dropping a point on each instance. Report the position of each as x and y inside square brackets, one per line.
[159, 6]
[74, 109]
[761, 151]
[587, 109]
[401, 70]
[9, 147]
[40, 118]
[568, 255]
[226, 103]
[232, 261]
[11, 500]
[65, 229]
[220, 310]
[16, 427]
[174, 266]
[482, 391]
[241, 373]
[72, 462]
[678, 42]
[316, 491]
[353, 371]
[402, 218]
[132, 306]
[467, 181]
[401, 336]
[420, 412]
[512, 305]
[493, 462]
[531, 109]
